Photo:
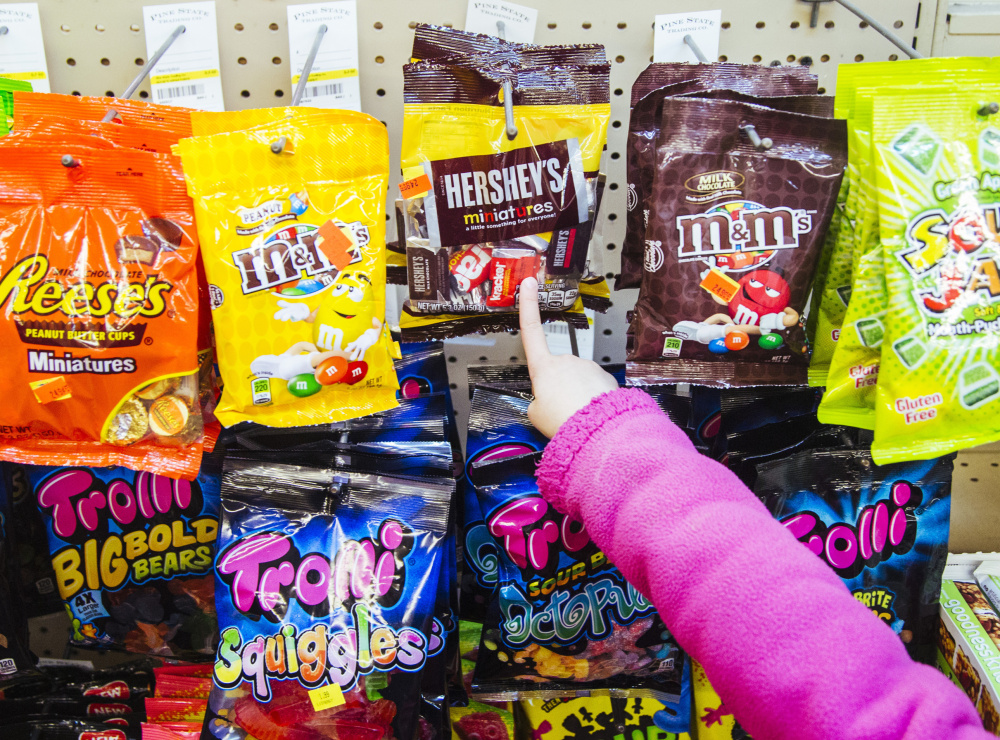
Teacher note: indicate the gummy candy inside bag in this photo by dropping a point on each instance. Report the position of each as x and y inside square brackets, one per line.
[563, 620]
[325, 585]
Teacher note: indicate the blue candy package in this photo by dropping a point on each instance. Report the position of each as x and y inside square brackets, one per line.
[564, 621]
[132, 555]
[326, 585]
[882, 528]
[498, 428]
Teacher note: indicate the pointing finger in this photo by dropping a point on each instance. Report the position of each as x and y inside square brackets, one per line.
[532, 335]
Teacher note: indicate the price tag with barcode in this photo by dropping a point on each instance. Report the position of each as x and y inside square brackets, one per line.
[22, 52]
[518, 20]
[669, 32]
[188, 74]
[333, 81]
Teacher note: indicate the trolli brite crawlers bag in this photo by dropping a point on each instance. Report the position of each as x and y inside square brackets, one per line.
[295, 259]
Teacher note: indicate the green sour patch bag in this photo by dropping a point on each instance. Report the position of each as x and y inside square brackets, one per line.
[939, 210]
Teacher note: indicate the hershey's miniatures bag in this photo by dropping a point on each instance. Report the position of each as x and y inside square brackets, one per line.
[326, 583]
[563, 619]
[295, 259]
[483, 210]
[734, 236]
[883, 529]
[132, 555]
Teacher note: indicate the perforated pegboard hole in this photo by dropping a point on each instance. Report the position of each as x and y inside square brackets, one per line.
[893, 57]
[105, 62]
[611, 247]
[378, 25]
[238, 27]
[134, 28]
[619, 59]
[613, 186]
[897, 24]
[452, 358]
[413, 24]
[139, 61]
[859, 57]
[609, 276]
[723, 58]
[790, 58]
[615, 155]
[71, 62]
[726, 25]
[453, 386]
[760, 24]
[825, 58]
[515, 358]
[484, 358]
[608, 332]
[821, 91]
[587, 26]
[605, 359]
[142, 94]
[863, 24]
[64, 28]
[241, 60]
[109, 94]
[245, 93]
[275, 60]
[380, 59]
[757, 57]
[794, 24]
[100, 28]
[380, 92]
[612, 216]
[616, 124]
[279, 93]
[622, 25]
[552, 26]
[75, 92]
[273, 26]
[618, 91]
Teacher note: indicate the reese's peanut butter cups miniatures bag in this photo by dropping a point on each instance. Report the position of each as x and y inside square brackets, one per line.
[739, 211]
[295, 260]
[100, 291]
[938, 191]
[563, 621]
[530, 200]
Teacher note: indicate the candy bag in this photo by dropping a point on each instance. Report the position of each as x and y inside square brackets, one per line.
[175, 710]
[713, 720]
[132, 554]
[498, 428]
[296, 267]
[110, 372]
[46, 728]
[31, 105]
[131, 137]
[464, 258]
[883, 529]
[589, 647]
[938, 196]
[726, 81]
[16, 660]
[600, 717]
[7, 89]
[331, 637]
[731, 257]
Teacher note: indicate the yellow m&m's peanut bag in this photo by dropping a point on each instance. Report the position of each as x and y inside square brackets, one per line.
[294, 252]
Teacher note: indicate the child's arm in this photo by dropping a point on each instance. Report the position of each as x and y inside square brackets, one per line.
[787, 647]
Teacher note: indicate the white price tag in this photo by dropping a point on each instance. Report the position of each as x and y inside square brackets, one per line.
[557, 334]
[188, 74]
[22, 51]
[519, 21]
[670, 30]
[333, 81]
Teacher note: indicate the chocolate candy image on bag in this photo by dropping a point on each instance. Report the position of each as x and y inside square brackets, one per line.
[326, 583]
[883, 529]
[132, 555]
[563, 619]
[733, 240]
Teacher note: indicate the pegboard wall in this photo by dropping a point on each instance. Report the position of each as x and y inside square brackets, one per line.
[95, 47]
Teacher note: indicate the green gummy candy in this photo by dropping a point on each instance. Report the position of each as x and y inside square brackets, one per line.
[975, 374]
[918, 148]
[910, 351]
[870, 332]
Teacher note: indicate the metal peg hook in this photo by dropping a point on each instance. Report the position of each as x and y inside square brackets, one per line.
[279, 144]
[68, 160]
[989, 109]
[146, 69]
[896, 41]
[814, 11]
[689, 40]
[501, 30]
[508, 109]
[758, 143]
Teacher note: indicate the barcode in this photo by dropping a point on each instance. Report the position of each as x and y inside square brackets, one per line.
[181, 91]
[333, 88]
[559, 328]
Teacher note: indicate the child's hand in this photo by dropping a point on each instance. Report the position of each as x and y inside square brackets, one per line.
[562, 384]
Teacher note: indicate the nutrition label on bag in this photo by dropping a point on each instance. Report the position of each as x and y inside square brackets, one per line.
[188, 73]
[22, 51]
[669, 32]
[519, 21]
[333, 81]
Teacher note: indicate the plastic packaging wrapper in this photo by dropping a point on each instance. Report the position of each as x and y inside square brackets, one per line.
[563, 620]
[660, 81]
[601, 718]
[132, 555]
[467, 251]
[295, 261]
[31, 105]
[883, 530]
[326, 587]
[109, 375]
[730, 257]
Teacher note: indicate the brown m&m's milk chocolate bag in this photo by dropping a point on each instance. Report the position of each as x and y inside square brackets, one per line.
[741, 200]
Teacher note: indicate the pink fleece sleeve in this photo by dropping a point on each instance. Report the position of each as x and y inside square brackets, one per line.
[789, 650]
